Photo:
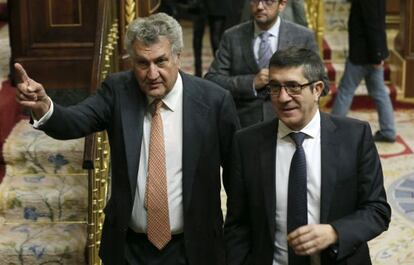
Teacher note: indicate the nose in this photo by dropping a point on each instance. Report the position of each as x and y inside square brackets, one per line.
[260, 4]
[152, 73]
[283, 95]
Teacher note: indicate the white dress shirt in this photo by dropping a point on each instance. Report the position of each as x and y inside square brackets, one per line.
[273, 38]
[284, 153]
[172, 118]
[46, 116]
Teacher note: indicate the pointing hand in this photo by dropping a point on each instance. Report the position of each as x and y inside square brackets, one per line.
[31, 94]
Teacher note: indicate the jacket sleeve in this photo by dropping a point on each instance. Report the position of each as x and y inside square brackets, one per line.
[229, 124]
[372, 212]
[222, 71]
[237, 225]
[373, 18]
[91, 115]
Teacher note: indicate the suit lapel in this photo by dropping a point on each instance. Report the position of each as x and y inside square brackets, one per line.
[268, 159]
[246, 41]
[133, 109]
[195, 114]
[329, 164]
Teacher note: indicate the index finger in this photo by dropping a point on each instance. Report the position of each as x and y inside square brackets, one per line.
[21, 75]
[298, 232]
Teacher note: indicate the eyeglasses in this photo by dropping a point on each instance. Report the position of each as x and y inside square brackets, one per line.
[264, 2]
[292, 89]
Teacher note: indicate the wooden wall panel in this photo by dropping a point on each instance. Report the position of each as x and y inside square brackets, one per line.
[68, 16]
[393, 18]
[53, 38]
[406, 45]
[393, 7]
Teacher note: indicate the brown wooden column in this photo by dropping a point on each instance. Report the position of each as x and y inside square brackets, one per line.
[406, 45]
[393, 14]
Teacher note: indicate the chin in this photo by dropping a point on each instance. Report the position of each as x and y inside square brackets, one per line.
[290, 122]
[156, 93]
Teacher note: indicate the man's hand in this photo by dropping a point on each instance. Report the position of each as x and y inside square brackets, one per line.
[31, 94]
[380, 65]
[261, 79]
[311, 239]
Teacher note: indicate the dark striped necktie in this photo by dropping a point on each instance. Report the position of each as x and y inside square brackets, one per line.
[297, 211]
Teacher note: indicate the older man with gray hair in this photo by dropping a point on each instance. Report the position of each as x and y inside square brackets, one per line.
[169, 134]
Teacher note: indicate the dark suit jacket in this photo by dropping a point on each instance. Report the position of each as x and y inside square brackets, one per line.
[209, 121]
[235, 66]
[353, 199]
[366, 27]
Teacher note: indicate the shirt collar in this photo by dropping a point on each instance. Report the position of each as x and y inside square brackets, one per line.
[274, 30]
[312, 129]
[172, 99]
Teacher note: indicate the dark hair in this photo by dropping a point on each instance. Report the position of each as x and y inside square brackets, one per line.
[313, 67]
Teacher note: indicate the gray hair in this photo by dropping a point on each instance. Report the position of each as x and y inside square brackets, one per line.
[149, 29]
[313, 67]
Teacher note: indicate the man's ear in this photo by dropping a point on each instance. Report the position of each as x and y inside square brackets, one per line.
[177, 58]
[282, 5]
[318, 88]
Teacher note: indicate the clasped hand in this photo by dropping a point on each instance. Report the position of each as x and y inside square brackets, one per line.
[311, 239]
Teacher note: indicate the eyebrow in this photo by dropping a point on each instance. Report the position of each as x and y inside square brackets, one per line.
[285, 82]
[143, 59]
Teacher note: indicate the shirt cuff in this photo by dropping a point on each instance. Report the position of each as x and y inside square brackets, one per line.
[45, 118]
[254, 89]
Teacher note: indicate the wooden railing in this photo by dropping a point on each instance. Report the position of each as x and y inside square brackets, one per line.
[97, 155]
[316, 19]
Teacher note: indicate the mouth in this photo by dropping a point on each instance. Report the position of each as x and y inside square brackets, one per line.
[154, 85]
[288, 110]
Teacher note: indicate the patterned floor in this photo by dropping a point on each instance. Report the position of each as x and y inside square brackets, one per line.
[396, 245]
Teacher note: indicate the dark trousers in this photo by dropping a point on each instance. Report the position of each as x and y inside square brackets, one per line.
[217, 26]
[140, 251]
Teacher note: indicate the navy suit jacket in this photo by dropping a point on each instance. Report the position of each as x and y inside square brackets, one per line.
[353, 198]
[209, 122]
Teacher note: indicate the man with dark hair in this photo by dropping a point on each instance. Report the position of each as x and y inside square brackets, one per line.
[241, 62]
[306, 187]
[169, 134]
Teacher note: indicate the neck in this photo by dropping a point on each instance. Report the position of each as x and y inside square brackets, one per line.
[265, 26]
